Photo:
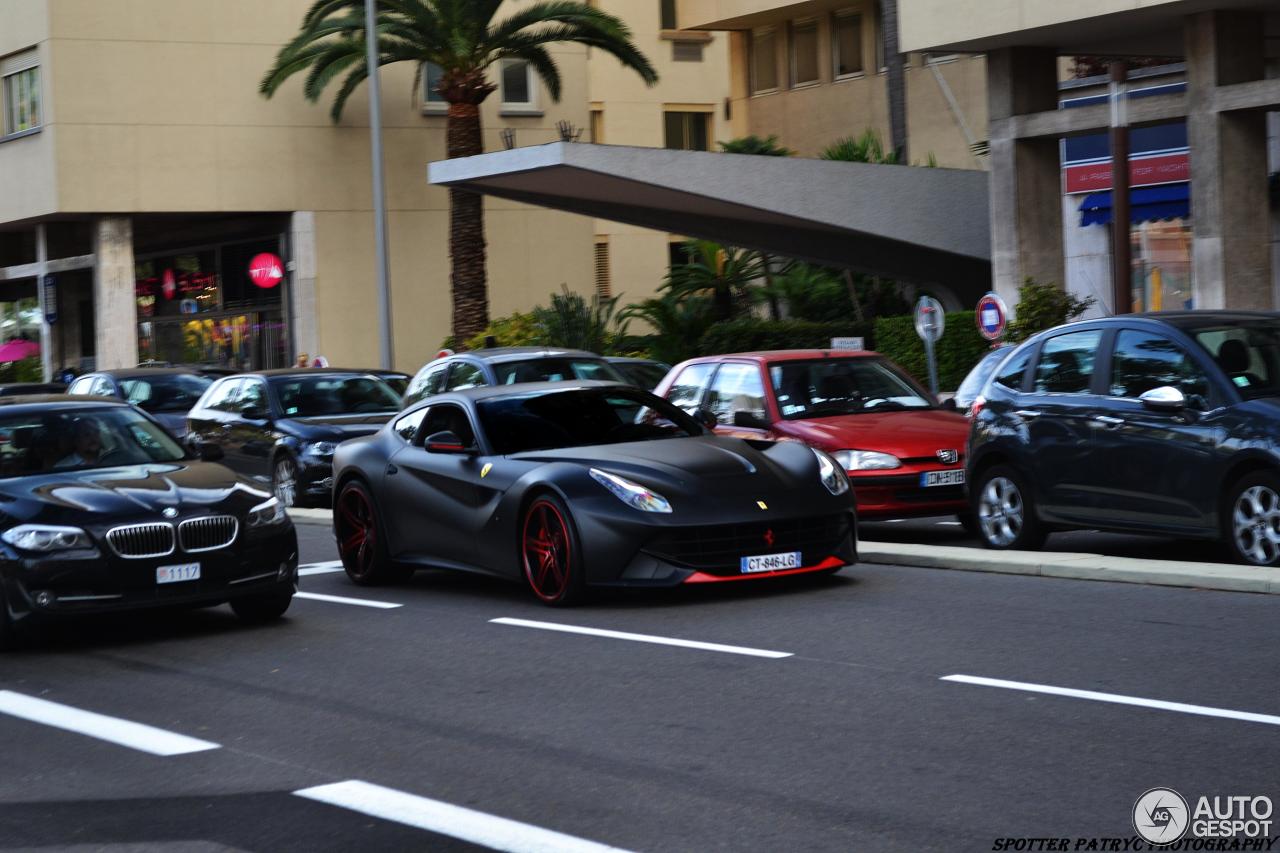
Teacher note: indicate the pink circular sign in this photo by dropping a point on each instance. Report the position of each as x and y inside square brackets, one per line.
[266, 270]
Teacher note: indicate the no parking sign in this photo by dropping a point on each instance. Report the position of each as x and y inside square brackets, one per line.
[992, 316]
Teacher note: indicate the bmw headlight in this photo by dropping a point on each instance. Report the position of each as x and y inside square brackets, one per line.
[832, 477]
[269, 512]
[322, 449]
[632, 494]
[866, 460]
[46, 538]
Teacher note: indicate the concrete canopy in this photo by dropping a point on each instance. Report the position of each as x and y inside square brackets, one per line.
[908, 223]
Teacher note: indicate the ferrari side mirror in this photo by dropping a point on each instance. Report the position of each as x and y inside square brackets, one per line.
[446, 442]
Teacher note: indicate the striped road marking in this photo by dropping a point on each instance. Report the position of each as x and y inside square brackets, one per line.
[133, 735]
[486, 830]
[1118, 699]
[338, 599]
[641, 638]
[320, 568]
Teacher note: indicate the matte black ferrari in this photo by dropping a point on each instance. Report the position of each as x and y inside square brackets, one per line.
[102, 510]
[573, 485]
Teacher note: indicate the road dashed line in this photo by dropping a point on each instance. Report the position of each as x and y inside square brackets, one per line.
[137, 736]
[642, 638]
[342, 599]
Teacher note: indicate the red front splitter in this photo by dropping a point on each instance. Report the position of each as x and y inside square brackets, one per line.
[703, 577]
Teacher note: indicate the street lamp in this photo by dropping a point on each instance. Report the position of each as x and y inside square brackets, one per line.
[379, 184]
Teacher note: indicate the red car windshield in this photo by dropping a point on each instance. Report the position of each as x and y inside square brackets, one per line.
[841, 386]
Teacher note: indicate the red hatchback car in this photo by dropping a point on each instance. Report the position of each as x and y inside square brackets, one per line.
[904, 453]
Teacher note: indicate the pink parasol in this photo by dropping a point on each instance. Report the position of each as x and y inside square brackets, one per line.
[17, 350]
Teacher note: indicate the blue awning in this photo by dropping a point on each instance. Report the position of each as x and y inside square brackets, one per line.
[1146, 204]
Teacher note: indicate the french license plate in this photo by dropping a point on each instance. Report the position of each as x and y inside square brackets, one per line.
[177, 574]
[942, 478]
[771, 562]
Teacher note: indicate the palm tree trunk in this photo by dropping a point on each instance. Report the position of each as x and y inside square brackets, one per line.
[466, 229]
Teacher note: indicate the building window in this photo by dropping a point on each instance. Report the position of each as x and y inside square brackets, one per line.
[597, 126]
[686, 51]
[432, 100]
[519, 90]
[604, 285]
[20, 94]
[668, 14]
[804, 52]
[690, 131]
[846, 44]
[764, 61]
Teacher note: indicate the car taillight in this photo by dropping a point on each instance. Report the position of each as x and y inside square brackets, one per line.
[978, 403]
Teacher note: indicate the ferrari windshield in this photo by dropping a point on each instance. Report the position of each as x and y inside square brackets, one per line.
[326, 394]
[841, 386]
[71, 440]
[582, 417]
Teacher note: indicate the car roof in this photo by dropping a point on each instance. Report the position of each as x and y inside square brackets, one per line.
[57, 402]
[380, 371]
[618, 359]
[307, 371]
[792, 355]
[486, 392]
[140, 372]
[1194, 319]
[501, 354]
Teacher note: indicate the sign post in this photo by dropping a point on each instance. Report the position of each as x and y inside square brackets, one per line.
[992, 317]
[929, 325]
[49, 297]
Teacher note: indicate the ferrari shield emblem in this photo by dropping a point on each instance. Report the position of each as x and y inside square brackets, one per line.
[484, 472]
[762, 504]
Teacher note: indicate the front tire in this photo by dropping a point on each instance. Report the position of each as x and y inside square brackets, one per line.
[361, 543]
[1251, 520]
[550, 553]
[268, 607]
[11, 636]
[1005, 512]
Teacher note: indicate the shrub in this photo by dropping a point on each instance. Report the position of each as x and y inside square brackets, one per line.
[1043, 306]
[957, 351]
[515, 330]
[574, 322]
[754, 335]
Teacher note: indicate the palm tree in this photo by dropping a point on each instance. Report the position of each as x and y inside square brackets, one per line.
[767, 146]
[723, 273]
[462, 38]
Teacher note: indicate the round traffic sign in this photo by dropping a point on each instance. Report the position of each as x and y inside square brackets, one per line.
[930, 319]
[266, 270]
[992, 316]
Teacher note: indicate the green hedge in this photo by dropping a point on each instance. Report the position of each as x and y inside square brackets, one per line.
[959, 349]
[754, 335]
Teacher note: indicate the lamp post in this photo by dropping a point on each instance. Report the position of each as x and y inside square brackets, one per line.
[1121, 250]
[379, 184]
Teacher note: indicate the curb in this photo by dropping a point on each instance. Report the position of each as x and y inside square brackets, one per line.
[1093, 567]
[310, 516]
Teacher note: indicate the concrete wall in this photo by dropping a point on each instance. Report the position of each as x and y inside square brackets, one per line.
[27, 163]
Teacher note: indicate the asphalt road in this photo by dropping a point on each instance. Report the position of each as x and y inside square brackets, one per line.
[851, 742]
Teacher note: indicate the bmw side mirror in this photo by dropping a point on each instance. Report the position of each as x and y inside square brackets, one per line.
[749, 420]
[209, 452]
[706, 418]
[446, 442]
[1166, 398]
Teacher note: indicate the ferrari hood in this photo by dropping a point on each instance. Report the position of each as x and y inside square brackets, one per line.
[678, 460]
[905, 434]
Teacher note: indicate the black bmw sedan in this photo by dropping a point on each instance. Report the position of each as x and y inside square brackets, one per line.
[102, 510]
[1164, 423]
[279, 428]
[564, 486]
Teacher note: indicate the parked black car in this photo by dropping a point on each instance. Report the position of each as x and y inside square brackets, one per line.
[507, 366]
[279, 428]
[102, 510]
[641, 372]
[974, 381]
[27, 389]
[166, 393]
[1164, 423]
[398, 380]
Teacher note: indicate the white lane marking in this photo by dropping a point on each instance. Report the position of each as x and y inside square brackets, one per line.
[1118, 699]
[948, 523]
[338, 599]
[123, 732]
[895, 521]
[496, 833]
[320, 568]
[642, 638]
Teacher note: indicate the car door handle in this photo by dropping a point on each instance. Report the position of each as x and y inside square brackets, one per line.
[1027, 414]
[391, 469]
[1108, 420]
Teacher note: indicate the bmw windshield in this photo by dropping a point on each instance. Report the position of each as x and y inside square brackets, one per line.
[580, 418]
[69, 440]
[841, 386]
[325, 394]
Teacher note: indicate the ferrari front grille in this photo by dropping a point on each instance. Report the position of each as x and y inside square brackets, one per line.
[141, 541]
[207, 534]
[719, 548]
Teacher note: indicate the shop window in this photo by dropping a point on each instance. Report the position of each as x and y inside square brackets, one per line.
[764, 60]
[518, 87]
[804, 52]
[689, 131]
[1162, 273]
[20, 94]
[432, 100]
[846, 44]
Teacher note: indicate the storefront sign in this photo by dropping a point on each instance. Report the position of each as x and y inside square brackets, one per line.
[1159, 153]
[1143, 172]
[49, 297]
[266, 270]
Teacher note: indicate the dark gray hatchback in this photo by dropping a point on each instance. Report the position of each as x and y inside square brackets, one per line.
[1165, 423]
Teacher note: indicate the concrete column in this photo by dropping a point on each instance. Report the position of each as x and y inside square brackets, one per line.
[1026, 183]
[302, 283]
[1230, 212]
[115, 312]
[46, 333]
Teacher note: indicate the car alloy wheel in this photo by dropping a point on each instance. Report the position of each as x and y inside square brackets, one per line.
[547, 551]
[284, 482]
[1255, 522]
[357, 530]
[1001, 511]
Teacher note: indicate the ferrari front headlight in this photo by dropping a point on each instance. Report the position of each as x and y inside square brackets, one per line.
[46, 538]
[632, 494]
[832, 477]
[866, 460]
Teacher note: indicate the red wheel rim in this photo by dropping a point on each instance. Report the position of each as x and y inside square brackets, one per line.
[357, 531]
[547, 551]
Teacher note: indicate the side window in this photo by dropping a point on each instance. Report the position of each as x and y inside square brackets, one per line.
[223, 396]
[1066, 363]
[252, 396]
[736, 388]
[1010, 375]
[425, 384]
[686, 391]
[1142, 361]
[465, 375]
[81, 385]
[103, 387]
[446, 418]
[407, 426]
